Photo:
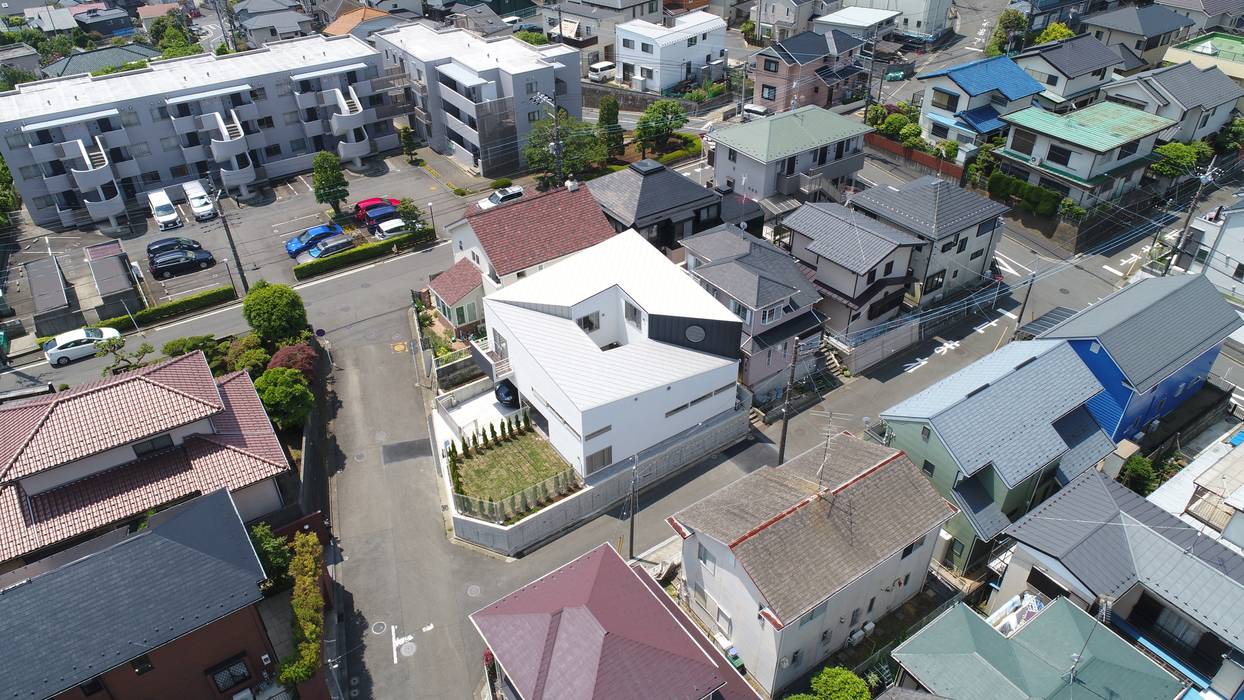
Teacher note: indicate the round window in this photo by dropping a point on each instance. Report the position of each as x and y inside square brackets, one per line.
[695, 333]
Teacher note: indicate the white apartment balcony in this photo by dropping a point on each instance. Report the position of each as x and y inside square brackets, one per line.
[96, 172]
[349, 115]
[238, 175]
[305, 100]
[58, 183]
[126, 168]
[114, 139]
[105, 207]
[462, 127]
[247, 111]
[456, 99]
[229, 140]
[186, 124]
[47, 152]
[354, 150]
[195, 153]
[314, 128]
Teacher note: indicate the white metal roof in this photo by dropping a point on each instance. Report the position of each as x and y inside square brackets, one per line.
[472, 51]
[858, 17]
[685, 26]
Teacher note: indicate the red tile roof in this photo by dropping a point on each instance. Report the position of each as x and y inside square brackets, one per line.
[243, 451]
[540, 228]
[592, 629]
[55, 429]
[459, 280]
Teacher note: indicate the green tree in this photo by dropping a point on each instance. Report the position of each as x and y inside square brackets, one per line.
[121, 360]
[893, 125]
[328, 182]
[658, 123]
[533, 38]
[911, 137]
[1180, 159]
[410, 142]
[1231, 137]
[838, 683]
[221, 49]
[949, 150]
[408, 211]
[748, 29]
[875, 115]
[607, 125]
[1012, 24]
[1137, 474]
[274, 312]
[129, 66]
[10, 77]
[1055, 31]
[274, 553]
[285, 397]
[581, 150]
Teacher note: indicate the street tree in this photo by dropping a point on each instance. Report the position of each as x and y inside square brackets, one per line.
[1012, 24]
[581, 149]
[838, 683]
[121, 359]
[1056, 31]
[274, 312]
[410, 142]
[1179, 160]
[658, 123]
[328, 182]
[285, 397]
[408, 211]
[610, 130]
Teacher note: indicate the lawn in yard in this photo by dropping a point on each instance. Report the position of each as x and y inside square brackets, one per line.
[504, 470]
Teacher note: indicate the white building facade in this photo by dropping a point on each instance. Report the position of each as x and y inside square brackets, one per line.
[474, 96]
[85, 148]
[654, 57]
[923, 20]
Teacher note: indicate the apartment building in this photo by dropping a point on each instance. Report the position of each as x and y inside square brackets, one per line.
[473, 96]
[918, 20]
[86, 148]
[655, 57]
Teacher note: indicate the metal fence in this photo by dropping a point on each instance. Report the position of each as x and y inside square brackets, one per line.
[452, 357]
[517, 505]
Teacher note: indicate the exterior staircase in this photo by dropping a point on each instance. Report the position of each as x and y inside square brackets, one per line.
[97, 158]
[352, 106]
[233, 130]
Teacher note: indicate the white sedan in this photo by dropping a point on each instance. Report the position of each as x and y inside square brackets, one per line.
[75, 345]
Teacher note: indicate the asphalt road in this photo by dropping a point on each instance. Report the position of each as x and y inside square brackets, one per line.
[972, 27]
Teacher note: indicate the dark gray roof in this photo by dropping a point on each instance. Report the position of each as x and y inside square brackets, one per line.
[107, 57]
[979, 507]
[283, 21]
[1131, 60]
[17, 50]
[800, 551]
[1111, 539]
[257, 7]
[1010, 410]
[110, 601]
[1079, 55]
[111, 274]
[647, 192]
[47, 284]
[809, 46]
[748, 268]
[1209, 7]
[1045, 321]
[848, 238]
[1147, 21]
[1194, 87]
[480, 18]
[929, 206]
[897, 693]
[1155, 326]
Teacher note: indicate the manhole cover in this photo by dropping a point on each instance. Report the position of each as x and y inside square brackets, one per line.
[381, 436]
[1064, 290]
[360, 456]
[473, 590]
[376, 628]
[408, 449]
[407, 649]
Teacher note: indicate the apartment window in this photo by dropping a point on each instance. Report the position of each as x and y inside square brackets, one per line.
[16, 140]
[912, 547]
[675, 411]
[871, 602]
[1128, 150]
[1058, 154]
[646, 48]
[531, 87]
[939, 130]
[976, 254]
[230, 674]
[298, 146]
[259, 94]
[652, 6]
[928, 467]
[91, 687]
[732, 155]
[768, 92]
[179, 171]
[284, 89]
[44, 201]
[129, 118]
[597, 433]
[264, 123]
[855, 617]
[151, 176]
[598, 460]
[814, 613]
[533, 117]
[770, 315]
[632, 314]
[169, 143]
[590, 322]
[155, 444]
[645, 73]
[159, 113]
[707, 561]
[29, 171]
[628, 43]
[948, 101]
[291, 117]
[1023, 141]
[140, 150]
[141, 664]
[272, 151]
[692, 41]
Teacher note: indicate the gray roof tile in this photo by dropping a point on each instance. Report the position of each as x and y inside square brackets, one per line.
[809, 46]
[648, 192]
[1076, 56]
[929, 206]
[1147, 21]
[749, 269]
[1209, 7]
[848, 238]
[1155, 326]
[1192, 86]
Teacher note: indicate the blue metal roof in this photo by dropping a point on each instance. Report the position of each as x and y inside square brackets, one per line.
[947, 121]
[998, 73]
[982, 119]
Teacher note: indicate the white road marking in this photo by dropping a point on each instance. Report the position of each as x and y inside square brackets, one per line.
[1009, 315]
[1129, 259]
[291, 189]
[304, 183]
[1013, 261]
[866, 181]
[393, 636]
[308, 216]
[1107, 268]
[1006, 268]
[913, 366]
[973, 48]
[981, 328]
[429, 628]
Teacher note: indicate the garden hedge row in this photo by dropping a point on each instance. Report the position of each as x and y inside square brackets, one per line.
[367, 251]
[160, 312]
[691, 148]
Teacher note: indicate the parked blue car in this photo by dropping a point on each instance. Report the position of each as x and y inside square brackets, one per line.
[307, 239]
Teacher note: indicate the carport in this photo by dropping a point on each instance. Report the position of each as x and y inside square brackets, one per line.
[54, 300]
[114, 282]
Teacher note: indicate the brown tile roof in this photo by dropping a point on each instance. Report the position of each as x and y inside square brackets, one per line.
[592, 629]
[55, 429]
[347, 22]
[459, 280]
[540, 228]
[243, 451]
[160, 10]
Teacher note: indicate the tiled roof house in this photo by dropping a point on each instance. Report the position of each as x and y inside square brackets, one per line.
[96, 456]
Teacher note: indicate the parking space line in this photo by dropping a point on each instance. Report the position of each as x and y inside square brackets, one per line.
[290, 221]
[304, 183]
[1014, 262]
[1107, 268]
[1009, 315]
[291, 189]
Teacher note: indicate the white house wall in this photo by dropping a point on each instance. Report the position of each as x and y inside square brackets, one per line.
[667, 62]
[1015, 579]
[918, 16]
[257, 500]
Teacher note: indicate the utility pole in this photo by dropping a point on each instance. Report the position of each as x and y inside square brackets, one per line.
[224, 220]
[630, 545]
[542, 99]
[790, 385]
[1032, 280]
[220, 18]
[1205, 178]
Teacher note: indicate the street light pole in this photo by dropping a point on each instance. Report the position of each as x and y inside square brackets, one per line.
[790, 385]
[1019, 321]
[432, 217]
[630, 545]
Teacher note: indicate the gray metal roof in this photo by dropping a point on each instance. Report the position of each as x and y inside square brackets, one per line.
[749, 269]
[109, 601]
[1007, 410]
[111, 274]
[848, 238]
[283, 21]
[1194, 87]
[929, 206]
[979, 507]
[1154, 327]
[1046, 321]
[1129, 57]
[798, 550]
[648, 192]
[1147, 21]
[1212, 8]
[1076, 56]
[1110, 539]
[96, 59]
[809, 46]
[47, 284]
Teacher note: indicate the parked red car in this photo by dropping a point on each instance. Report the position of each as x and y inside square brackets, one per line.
[360, 209]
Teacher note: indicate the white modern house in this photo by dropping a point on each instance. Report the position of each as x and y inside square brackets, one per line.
[922, 20]
[790, 563]
[1207, 15]
[689, 47]
[473, 95]
[860, 22]
[84, 148]
[613, 350]
[1200, 99]
[1217, 236]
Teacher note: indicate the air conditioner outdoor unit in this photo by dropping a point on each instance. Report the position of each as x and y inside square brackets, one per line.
[855, 637]
[869, 627]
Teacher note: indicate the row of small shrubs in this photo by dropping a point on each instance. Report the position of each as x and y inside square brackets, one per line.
[691, 148]
[500, 182]
[307, 601]
[367, 251]
[1030, 198]
[177, 307]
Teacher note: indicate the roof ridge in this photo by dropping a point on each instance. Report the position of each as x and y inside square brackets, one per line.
[209, 437]
[30, 436]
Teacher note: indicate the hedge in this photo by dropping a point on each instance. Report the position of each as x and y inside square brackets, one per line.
[160, 312]
[367, 251]
[305, 567]
[1042, 201]
[691, 148]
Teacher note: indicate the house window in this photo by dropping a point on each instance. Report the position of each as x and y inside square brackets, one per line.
[732, 155]
[998, 99]
[768, 92]
[906, 578]
[924, 433]
[934, 281]
[707, 561]
[871, 602]
[646, 48]
[141, 664]
[1058, 154]
[652, 6]
[1023, 141]
[628, 43]
[948, 101]
[963, 245]
[977, 254]
[948, 246]
[91, 687]
[814, 613]
[1239, 271]
[855, 617]
[1128, 150]
[771, 65]
[770, 315]
[889, 269]
[675, 411]
[1051, 80]
[985, 227]
[927, 467]
[230, 674]
[597, 433]
[155, 444]
[590, 322]
[912, 547]
[645, 73]
[598, 460]
[794, 657]
[940, 131]
[956, 548]
[692, 41]
[724, 624]
[872, 276]
[533, 117]
[632, 314]
[697, 593]
[1205, 119]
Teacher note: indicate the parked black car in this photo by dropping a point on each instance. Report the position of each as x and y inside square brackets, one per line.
[168, 245]
[506, 394]
[180, 262]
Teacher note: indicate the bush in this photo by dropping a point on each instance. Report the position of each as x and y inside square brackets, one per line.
[893, 125]
[1137, 474]
[875, 115]
[1000, 185]
[911, 136]
[274, 553]
[1070, 210]
[285, 396]
[160, 312]
[695, 95]
[500, 182]
[838, 683]
[367, 251]
[948, 150]
[301, 357]
[274, 311]
[185, 346]
[460, 192]
[305, 567]
[690, 149]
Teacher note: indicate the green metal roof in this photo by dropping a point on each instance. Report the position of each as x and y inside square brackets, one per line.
[959, 655]
[1098, 127]
[788, 133]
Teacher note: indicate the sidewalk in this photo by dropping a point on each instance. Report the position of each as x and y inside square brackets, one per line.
[449, 172]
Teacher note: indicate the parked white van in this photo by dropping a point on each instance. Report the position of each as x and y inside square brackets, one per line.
[601, 72]
[200, 204]
[163, 210]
